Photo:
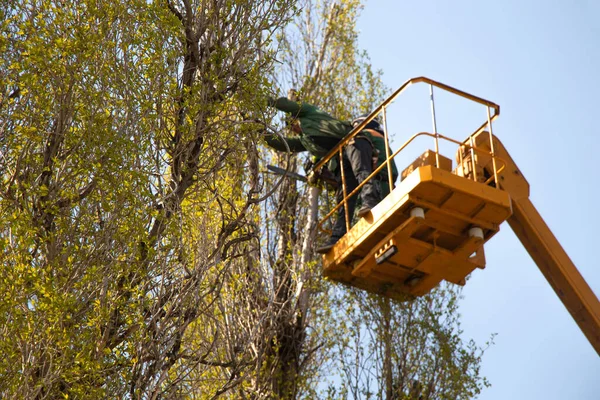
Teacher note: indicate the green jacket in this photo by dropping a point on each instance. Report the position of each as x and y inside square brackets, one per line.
[320, 131]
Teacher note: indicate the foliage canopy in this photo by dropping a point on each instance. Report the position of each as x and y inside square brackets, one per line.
[143, 252]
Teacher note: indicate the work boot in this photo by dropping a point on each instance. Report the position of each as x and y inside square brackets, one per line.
[328, 245]
[365, 209]
[369, 201]
[369, 195]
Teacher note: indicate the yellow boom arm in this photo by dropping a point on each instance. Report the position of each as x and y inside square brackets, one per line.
[544, 248]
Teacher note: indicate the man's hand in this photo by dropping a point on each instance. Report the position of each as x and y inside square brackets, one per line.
[311, 176]
[292, 95]
[308, 166]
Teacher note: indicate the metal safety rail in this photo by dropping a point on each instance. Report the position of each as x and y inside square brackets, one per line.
[469, 143]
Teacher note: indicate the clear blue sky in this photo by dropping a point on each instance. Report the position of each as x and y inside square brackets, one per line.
[540, 60]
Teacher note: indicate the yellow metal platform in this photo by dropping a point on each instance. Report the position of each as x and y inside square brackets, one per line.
[439, 244]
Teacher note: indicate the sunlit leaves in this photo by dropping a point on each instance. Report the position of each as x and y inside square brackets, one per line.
[107, 142]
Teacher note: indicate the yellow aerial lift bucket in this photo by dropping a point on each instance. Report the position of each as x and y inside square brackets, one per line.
[430, 228]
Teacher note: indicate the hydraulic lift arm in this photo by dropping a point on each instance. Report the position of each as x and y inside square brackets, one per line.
[543, 247]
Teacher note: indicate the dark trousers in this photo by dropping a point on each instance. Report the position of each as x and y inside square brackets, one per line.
[358, 165]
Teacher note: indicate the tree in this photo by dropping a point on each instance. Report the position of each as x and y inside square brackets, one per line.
[143, 253]
[318, 52]
[376, 343]
[117, 118]
[408, 350]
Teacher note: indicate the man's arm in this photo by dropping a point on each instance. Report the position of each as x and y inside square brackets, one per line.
[278, 142]
[294, 108]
